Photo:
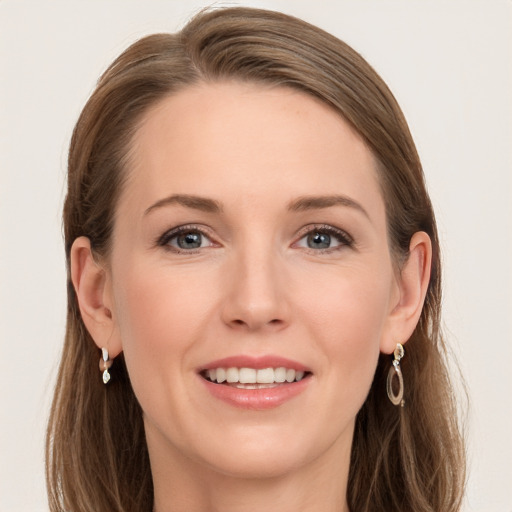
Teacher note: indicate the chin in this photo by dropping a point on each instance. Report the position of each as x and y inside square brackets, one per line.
[258, 464]
[264, 453]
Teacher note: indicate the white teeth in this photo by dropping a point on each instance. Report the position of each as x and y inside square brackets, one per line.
[280, 374]
[252, 376]
[265, 376]
[220, 375]
[247, 376]
[232, 375]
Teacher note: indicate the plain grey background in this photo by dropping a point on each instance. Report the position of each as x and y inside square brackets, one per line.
[449, 64]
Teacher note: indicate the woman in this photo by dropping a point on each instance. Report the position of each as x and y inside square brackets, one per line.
[253, 254]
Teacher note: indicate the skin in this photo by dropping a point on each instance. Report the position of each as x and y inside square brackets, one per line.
[255, 287]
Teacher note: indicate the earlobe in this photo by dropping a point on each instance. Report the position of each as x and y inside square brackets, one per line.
[413, 283]
[90, 280]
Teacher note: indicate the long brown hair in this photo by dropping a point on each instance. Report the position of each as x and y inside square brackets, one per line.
[403, 459]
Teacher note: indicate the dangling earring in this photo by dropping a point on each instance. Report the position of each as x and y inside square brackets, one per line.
[395, 370]
[105, 364]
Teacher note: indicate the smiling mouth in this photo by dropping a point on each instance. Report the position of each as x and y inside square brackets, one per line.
[252, 378]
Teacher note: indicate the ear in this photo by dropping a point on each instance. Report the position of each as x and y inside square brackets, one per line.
[93, 290]
[412, 283]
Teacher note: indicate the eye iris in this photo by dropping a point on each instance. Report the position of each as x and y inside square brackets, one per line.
[189, 241]
[319, 241]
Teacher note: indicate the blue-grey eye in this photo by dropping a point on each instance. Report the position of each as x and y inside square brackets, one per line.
[322, 238]
[191, 240]
[185, 239]
[316, 240]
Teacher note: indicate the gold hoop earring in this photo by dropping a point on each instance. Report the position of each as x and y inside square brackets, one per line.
[396, 399]
[105, 364]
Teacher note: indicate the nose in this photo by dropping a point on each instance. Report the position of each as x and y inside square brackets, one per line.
[255, 297]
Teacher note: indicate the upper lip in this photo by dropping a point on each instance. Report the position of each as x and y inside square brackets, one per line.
[256, 362]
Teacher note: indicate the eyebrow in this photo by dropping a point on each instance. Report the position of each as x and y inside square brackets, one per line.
[196, 202]
[301, 204]
[318, 202]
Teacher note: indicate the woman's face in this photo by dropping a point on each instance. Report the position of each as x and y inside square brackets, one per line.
[251, 234]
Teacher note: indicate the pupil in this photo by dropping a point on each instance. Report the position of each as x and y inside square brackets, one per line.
[319, 241]
[189, 241]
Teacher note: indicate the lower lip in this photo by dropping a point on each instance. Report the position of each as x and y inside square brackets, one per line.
[256, 399]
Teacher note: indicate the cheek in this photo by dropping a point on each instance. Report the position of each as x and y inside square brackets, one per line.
[351, 306]
[347, 318]
[153, 303]
[160, 317]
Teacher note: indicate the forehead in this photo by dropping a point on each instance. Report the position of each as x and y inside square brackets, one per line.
[252, 139]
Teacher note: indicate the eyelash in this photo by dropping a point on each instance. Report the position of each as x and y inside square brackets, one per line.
[344, 239]
[165, 239]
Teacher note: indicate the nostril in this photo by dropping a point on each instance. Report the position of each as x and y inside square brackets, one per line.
[242, 323]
